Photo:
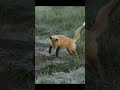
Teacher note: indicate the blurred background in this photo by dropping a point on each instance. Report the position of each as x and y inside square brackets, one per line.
[108, 46]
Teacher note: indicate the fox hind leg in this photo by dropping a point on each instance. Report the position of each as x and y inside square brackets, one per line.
[69, 51]
[72, 52]
[75, 53]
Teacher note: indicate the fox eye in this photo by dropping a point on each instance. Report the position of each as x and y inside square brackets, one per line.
[50, 37]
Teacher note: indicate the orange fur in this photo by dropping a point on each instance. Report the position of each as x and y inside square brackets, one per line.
[61, 41]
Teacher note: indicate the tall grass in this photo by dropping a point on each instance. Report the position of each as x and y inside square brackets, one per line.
[58, 19]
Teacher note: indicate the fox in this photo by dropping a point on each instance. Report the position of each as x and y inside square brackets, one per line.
[62, 41]
[100, 26]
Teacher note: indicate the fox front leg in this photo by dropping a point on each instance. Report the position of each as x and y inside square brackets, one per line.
[50, 48]
[57, 50]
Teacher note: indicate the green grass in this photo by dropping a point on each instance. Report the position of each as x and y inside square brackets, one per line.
[60, 20]
[74, 77]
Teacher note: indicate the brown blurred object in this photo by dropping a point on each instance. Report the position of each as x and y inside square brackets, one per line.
[100, 25]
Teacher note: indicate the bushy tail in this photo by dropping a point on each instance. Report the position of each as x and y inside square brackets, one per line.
[77, 32]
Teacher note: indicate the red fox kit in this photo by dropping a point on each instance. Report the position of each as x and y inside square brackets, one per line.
[61, 41]
[100, 26]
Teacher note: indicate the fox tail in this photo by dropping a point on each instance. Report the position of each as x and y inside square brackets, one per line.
[78, 31]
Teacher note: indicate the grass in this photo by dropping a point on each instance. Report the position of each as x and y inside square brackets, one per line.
[62, 77]
[59, 20]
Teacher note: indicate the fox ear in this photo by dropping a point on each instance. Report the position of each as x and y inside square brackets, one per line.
[56, 40]
[50, 37]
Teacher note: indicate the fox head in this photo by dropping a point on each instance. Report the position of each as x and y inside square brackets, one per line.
[54, 40]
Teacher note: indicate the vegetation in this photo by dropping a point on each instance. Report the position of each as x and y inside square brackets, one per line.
[58, 20]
